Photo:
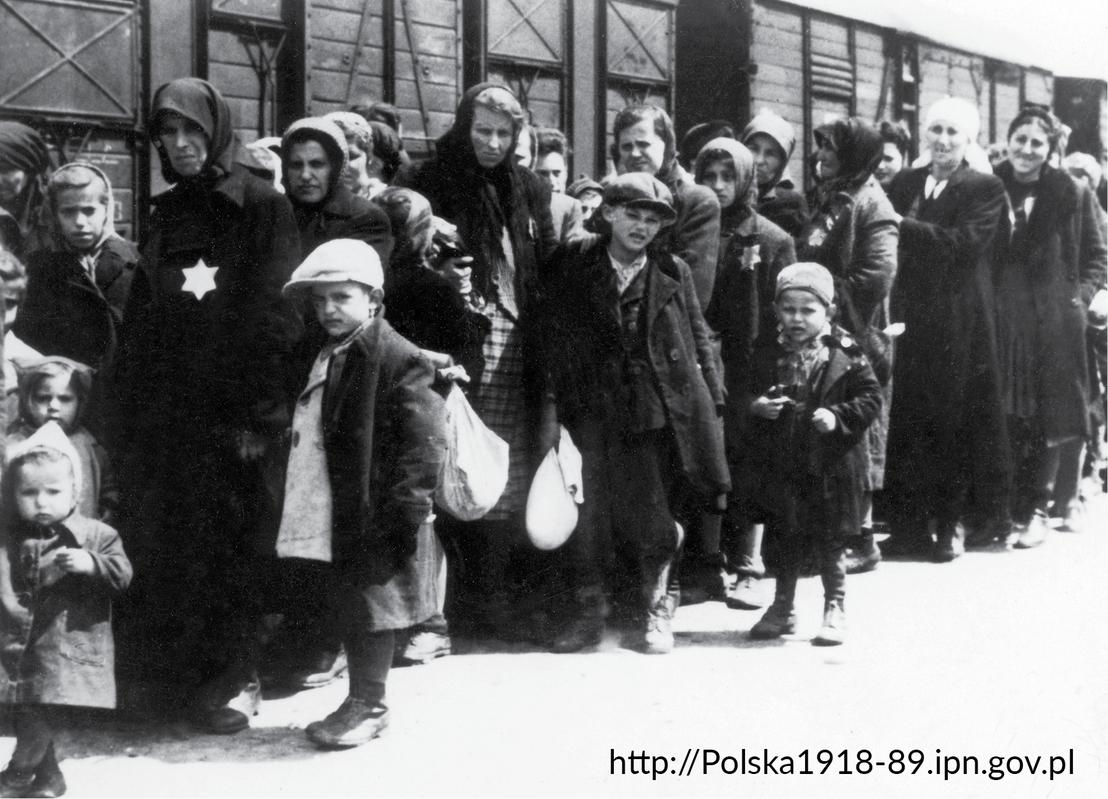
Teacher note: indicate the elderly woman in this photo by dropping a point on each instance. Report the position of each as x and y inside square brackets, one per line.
[948, 450]
[753, 251]
[645, 141]
[853, 232]
[24, 162]
[772, 139]
[1045, 278]
[503, 213]
[200, 405]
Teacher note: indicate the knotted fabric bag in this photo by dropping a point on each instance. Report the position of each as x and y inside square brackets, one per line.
[555, 493]
[475, 469]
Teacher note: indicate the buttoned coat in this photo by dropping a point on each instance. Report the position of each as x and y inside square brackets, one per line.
[781, 459]
[385, 438]
[581, 330]
[56, 644]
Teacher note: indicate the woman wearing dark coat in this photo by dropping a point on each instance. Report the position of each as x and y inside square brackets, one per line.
[24, 162]
[339, 214]
[200, 402]
[853, 232]
[502, 212]
[948, 455]
[1046, 276]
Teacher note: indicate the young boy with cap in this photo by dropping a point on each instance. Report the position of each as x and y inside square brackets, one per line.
[632, 376]
[367, 442]
[810, 396]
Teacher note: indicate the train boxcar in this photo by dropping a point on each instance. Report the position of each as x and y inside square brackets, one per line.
[82, 71]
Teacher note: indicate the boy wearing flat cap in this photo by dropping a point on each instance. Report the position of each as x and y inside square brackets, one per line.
[368, 440]
[632, 376]
[810, 396]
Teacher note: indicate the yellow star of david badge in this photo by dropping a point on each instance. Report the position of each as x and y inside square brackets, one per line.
[199, 279]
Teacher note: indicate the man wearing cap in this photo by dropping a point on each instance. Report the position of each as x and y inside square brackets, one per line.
[368, 441]
[314, 154]
[633, 378]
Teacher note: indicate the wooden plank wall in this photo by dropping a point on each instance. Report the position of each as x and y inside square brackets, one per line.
[332, 37]
[950, 72]
[229, 70]
[778, 86]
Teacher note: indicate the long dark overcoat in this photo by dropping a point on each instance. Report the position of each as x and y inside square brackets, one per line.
[1045, 278]
[947, 433]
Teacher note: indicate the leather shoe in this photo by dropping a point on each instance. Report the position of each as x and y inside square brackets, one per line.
[864, 557]
[235, 714]
[324, 670]
[354, 723]
[777, 621]
[14, 782]
[423, 647]
[744, 595]
[49, 781]
[1035, 532]
[950, 543]
[833, 631]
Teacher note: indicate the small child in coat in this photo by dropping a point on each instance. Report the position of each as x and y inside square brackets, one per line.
[58, 573]
[77, 286]
[368, 441]
[810, 396]
[56, 389]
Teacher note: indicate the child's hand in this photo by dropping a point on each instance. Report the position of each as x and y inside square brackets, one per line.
[75, 561]
[768, 408]
[824, 421]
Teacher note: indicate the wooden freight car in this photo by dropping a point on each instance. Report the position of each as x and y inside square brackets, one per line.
[83, 70]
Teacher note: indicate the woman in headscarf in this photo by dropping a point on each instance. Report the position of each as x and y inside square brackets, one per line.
[201, 402]
[753, 251]
[24, 162]
[644, 140]
[503, 213]
[1046, 276]
[771, 139]
[853, 232]
[948, 457]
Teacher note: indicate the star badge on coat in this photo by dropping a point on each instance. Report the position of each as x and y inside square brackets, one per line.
[199, 279]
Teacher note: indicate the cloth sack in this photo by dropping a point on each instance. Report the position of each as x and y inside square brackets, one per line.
[475, 470]
[556, 491]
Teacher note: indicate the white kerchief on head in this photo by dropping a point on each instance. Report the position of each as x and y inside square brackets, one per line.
[962, 113]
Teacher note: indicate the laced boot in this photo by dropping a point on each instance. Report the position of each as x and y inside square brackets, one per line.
[357, 721]
[833, 631]
[780, 618]
[661, 603]
[587, 626]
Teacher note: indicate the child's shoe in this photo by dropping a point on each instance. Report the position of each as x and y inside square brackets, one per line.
[744, 595]
[354, 723]
[777, 621]
[15, 782]
[658, 636]
[833, 631]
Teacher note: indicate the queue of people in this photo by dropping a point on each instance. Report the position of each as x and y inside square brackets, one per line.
[237, 434]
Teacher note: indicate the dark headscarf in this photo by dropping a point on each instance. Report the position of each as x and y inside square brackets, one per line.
[198, 101]
[23, 148]
[497, 189]
[859, 147]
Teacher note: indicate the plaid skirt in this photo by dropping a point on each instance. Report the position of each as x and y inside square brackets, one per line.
[500, 403]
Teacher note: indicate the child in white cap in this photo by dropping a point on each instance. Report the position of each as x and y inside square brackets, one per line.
[811, 395]
[367, 444]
